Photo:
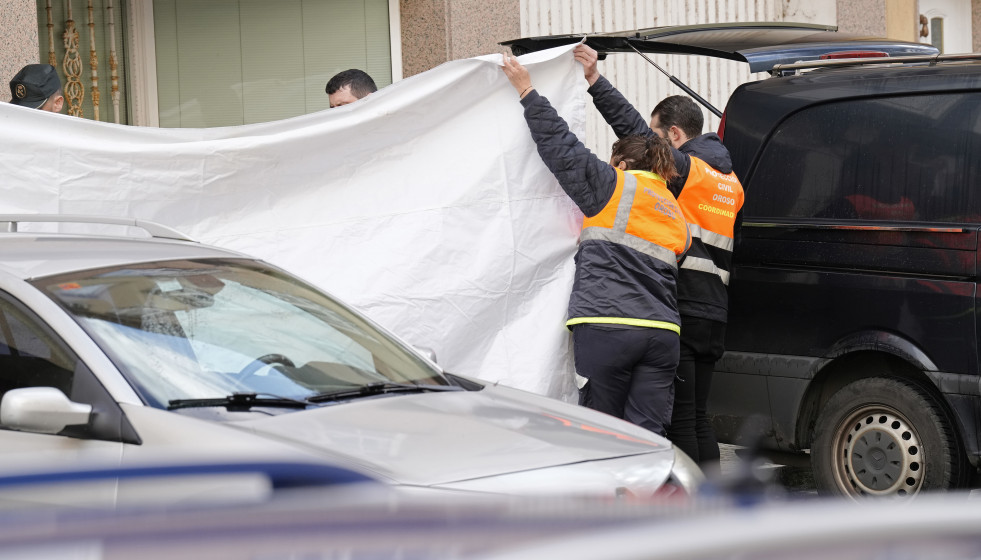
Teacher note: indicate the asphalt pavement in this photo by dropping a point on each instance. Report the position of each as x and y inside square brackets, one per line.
[796, 479]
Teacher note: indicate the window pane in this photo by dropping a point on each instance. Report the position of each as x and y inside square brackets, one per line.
[231, 62]
[54, 41]
[35, 357]
[937, 33]
[272, 60]
[902, 158]
[188, 329]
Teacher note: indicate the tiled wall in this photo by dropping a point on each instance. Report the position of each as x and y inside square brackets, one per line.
[18, 40]
[862, 17]
[434, 31]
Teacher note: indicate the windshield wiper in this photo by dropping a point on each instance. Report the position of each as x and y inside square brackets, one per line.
[380, 388]
[237, 402]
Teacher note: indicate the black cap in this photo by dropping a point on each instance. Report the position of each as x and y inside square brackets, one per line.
[33, 85]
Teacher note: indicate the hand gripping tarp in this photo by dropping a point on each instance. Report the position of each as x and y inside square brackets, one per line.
[425, 205]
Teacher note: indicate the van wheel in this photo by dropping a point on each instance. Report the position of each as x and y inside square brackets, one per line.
[884, 437]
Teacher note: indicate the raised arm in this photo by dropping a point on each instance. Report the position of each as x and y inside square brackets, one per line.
[616, 110]
[588, 180]
[622, 117]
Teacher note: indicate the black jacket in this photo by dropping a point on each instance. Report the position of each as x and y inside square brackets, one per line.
[626, 120]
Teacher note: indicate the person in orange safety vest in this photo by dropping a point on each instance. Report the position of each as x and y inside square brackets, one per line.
[622, 310]
[711, 197]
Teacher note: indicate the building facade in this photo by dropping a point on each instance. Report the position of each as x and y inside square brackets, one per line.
[192, 63]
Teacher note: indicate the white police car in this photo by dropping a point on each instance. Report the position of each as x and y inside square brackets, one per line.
[136, 346]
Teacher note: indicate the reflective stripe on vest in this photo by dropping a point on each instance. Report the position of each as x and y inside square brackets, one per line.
[624, 321]
[705, 265]
[650, 237]
[711, 238]
[710, 200]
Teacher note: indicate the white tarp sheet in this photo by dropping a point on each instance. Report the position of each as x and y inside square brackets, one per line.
[425, 205]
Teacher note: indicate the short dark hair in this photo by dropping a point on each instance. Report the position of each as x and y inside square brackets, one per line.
[682, 112]
[359, 80]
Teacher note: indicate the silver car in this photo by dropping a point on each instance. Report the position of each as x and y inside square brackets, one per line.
[137, 346]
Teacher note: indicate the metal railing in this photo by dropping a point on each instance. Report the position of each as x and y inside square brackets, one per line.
[9, 222]
[790, 69]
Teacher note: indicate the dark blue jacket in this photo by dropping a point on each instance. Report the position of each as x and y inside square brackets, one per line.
[611, 280]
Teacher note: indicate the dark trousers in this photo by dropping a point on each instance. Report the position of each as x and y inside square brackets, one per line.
[702, 344]
[630, 372]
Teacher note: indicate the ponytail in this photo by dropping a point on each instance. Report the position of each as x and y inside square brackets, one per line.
[662, 160]
[646, 153]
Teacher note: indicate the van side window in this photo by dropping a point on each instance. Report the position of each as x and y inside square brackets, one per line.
[31, 355]
[909, 158]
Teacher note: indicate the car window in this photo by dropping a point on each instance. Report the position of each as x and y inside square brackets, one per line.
[908, 158]
[216, 336]
[31, 355]
[208, 329]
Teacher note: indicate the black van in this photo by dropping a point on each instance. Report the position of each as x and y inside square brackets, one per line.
[853, 328]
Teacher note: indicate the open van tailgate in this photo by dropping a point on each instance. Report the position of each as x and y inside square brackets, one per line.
[763, 45]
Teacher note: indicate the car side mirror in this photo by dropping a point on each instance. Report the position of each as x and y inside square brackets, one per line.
[43, 410]
[429, 353]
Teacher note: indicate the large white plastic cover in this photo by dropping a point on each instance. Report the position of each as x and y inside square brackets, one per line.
[425, 205]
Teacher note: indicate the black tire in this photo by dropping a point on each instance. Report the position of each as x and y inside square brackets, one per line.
[884, 437]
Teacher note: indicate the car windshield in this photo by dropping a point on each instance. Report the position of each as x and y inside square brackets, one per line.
[208, 329]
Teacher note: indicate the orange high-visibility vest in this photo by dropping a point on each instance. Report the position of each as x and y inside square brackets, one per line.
[710, 201]
[642, 214]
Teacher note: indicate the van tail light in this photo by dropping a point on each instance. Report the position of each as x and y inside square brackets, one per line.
[722, 125]
[853, 54]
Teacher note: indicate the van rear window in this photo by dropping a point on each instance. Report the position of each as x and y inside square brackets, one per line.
[912, 158]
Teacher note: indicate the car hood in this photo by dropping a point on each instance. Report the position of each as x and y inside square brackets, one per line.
[761, 45]
[440, 438]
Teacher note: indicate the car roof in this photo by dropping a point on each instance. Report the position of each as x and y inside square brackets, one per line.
[38, 253]
[756, 108]
[862, 79]
[762, 45]
[34, 255]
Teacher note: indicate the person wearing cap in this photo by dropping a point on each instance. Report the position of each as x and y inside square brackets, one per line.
[37, 86]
